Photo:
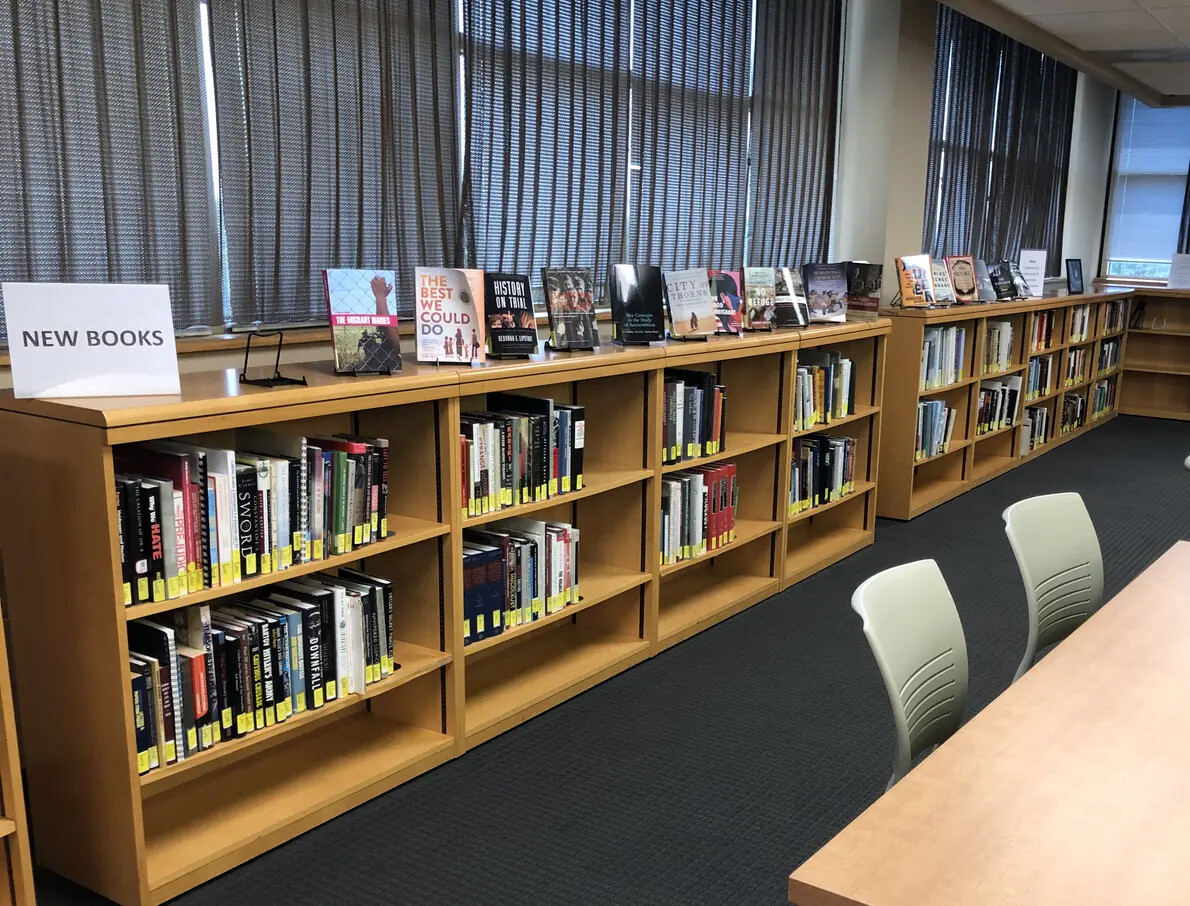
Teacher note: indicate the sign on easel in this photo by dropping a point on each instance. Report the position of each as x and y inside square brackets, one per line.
[90, 339]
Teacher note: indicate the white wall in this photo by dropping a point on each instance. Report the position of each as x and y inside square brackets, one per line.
[1090, 168]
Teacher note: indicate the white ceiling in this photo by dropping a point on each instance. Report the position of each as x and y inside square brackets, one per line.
[1141, 46]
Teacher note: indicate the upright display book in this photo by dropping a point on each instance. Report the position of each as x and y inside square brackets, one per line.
[449, 326]
[985, 290]
[1074, 276]
[362, 313]
[570, 304]
[961, 269]
[688, 299]
[508, 307]
[1002, 281]
[790, 308]
[760, 293]
[826, 291]
[943, 291]
[913, 277]
[864, 284]
[636, 291]
[725, 289]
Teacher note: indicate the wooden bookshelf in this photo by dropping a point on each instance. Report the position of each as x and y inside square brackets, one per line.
[909, 486]
[144, 839]
[1157, 355]
[14, 831]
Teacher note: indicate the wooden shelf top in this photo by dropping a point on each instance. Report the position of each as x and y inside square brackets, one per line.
[997, 309]
[737, 444]
[1155, 331]
[746, 530]
[597, 478]
[861, 488]
[708, 601]
[1157, 368]
[8, 827]
[1161, 291]
[946, 388]
[861, 411]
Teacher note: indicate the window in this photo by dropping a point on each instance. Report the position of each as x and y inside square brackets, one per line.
[1148, 189]
[999, 145]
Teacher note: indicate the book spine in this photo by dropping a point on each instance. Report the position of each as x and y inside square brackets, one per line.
[202, 505]
[382, 498]
[153, 544]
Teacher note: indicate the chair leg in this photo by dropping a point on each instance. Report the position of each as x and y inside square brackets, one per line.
[1026, 663]
[892, 781]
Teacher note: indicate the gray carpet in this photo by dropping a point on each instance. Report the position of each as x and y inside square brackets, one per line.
[705, 775]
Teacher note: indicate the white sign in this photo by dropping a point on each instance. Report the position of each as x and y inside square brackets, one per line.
[1179, 272]
[1033, 270]
[90, 339]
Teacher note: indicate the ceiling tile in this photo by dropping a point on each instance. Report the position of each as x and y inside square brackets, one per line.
[1067, 24]
[1157, 39]
[1049, 7]
[1177, 19]
[1169, 78]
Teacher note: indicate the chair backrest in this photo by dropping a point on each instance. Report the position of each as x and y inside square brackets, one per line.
[917, 639]
[1058, 553]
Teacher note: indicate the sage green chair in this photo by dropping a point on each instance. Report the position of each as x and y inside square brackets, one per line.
[1058, 553]
[917, 639]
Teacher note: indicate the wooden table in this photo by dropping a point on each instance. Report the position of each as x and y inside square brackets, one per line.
[1072, 787]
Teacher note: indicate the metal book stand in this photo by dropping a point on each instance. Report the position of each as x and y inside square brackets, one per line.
[277, 379]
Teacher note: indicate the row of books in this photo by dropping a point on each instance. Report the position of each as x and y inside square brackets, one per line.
[1080, 323]
[943, 353]
[694, 413]
[1074, 412]
[522, 449]
[203, 675]
[192, 517]
[1043, 331]
[517, 571]
[1076, 365]
[1103, 397]
[1039, 377]
[935, 427]
[1034, 428]
[924, 280]
[997, 348]
[698, 510]
[822, 470]
[997, 403]
[824, 388]
[1113, 315]
[1109, 355]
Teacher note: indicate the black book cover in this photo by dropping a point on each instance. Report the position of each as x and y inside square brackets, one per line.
[508, 307]
[189, 725]
[224, 711]
[704, 381]
[576, 441]
[238, 652]
[297, 536]
[636, 291]
[324, 600]
[570, 304]
[1074, 276]
[985, 289]
[1002, 282]
[198, 475]
[140, 720]
[126, 566]
[248, 513]
[154, 550]
[386, 592]
[138, 561]
[671, 422]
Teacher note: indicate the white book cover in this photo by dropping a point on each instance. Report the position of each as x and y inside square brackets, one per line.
[226, 521]
[1032, 264]
[690, 303]
[943, 291]
[448, 303]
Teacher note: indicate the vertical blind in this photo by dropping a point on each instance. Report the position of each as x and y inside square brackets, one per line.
[337, 145]
[795, 104]
[999, 145]
[1149, 189]
[103, 165]
[690, 133]
[546, 134]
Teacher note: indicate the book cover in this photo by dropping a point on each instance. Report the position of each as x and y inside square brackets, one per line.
[1002, 281]
[790, 308]
[570, 304]
[363, 317]
[985, 290]
[449, 328]
[943, 291]
[913, 275]
[760, 293]
[1019, 281]
[864, 284]
[508, 307]
[1074, 276]
[826, 291]
[961, 269]
[725, 289]
[688, 299]
[636, 291]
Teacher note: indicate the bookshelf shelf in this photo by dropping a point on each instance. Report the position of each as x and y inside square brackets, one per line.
[861, 487]
[956, 445]
[8, 827]
[990, 466]
[1159, 367]
[597, 479]
[1153, 331]
[415, 662]
[709, 600]
[946, 388]
[988, 435]
[823, 550]
[861, 412]
[747, 530]
[403, 531]
[737, 443]
[993, 375]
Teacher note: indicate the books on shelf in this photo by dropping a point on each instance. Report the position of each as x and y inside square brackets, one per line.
[1114, 311]
[205, 675]
[635, 291]
[824, 388]
[363, 319]
[194, 517]
[864, 285]
[1074, 411]
[961, 269]
[915, 281]
[448, 308]
[790, 308]
[508, 308]
[1103, 397]
[1043, 331]
[940, 276]
[1039, 377]
[826, 291]
[1109, 355]
[522, 449]
[517, 571]
[694, 412]
[570, 305]
[1034, 428]
[725, 287]
[1076, 365]
[689, 303]
[1003, 282]
[698, 507]
[1080, 322]
[985, 289]
[997, 347]
[943, 354]
[935, 427]
[760, 295]
[997, 404]
[822, 470]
